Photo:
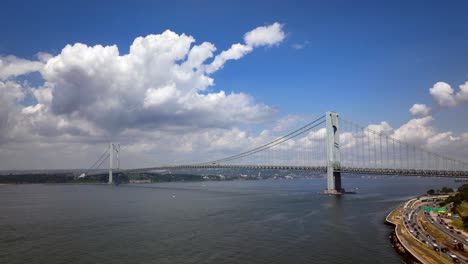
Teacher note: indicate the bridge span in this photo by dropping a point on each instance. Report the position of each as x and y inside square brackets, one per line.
[330, 145]
[376, 171]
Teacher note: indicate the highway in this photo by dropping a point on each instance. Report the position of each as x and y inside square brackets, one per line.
[414, 217]
[444, 227]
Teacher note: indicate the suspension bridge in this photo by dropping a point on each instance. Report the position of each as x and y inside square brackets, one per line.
[329, 144]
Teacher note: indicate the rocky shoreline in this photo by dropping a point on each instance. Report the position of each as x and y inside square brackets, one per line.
[407, 257]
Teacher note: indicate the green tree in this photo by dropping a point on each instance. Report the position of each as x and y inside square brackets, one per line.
[446, 190]
[463, 188]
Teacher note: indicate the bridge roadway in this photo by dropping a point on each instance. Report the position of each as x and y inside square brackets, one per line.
[376, 171]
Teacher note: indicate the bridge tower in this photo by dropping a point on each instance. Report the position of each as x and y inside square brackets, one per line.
[111, 159]
[333, 154]
[113, 148]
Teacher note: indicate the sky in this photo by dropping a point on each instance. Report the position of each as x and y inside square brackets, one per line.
[184, 80]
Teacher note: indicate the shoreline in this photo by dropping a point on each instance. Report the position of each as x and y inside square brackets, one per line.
[399, 248]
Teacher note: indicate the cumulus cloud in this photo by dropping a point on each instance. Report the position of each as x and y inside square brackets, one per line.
[265, 36]
[286, 123]
[161, 90]
[444, 95]
[462, 95]
[420, 109]
[158, 84]
[313, 139]
[44, 56]
[422, 133]
[261, 36]
[415, 131]
[10, 93]
[12, 66]
[383, 127]
[441, 139]
[418, 132]
[236, 52]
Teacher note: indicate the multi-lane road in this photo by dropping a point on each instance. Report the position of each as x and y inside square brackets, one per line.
[417, 222]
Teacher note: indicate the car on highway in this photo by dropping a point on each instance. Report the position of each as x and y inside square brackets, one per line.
[454, 258]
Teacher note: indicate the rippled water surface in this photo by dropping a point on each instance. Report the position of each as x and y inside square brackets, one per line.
[268, 221]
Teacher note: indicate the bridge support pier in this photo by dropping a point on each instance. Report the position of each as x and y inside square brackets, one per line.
[333, 155]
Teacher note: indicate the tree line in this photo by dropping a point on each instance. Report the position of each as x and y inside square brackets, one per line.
[457, 199]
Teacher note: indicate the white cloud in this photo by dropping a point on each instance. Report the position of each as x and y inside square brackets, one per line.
[10, 93]
[161, 95]
[415, 131]
[157, 97]
[347, 140]
[420, 109]
[260, 36]
[462, 95]
[43, 95]
[286, 123]
[265, 36]
[159, 101]
[441, 138]
[236, 52]
[421, 133]
[32, 109]
[383, 127]
[443, 94]
[313, 138]
[299, 46]
[157, 85]
[11, 66]
[43, 56]
[418, 132]
[199, 53]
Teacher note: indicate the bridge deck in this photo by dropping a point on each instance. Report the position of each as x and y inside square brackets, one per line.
[378, 171]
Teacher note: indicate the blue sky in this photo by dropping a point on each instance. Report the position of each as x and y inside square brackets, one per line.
[374, 59]
[370, 61]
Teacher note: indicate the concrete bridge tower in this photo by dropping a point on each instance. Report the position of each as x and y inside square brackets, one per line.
[113, 148]
[111, 159]
[333, 154]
